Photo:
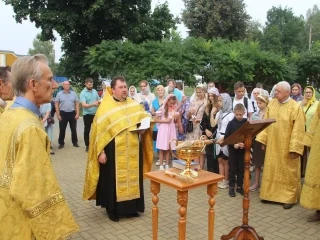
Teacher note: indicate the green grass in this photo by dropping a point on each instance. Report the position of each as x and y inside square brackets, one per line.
[188, 91]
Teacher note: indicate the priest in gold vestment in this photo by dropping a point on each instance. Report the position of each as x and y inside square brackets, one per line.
[310, 196]
[283, 142]
[116, 158]
[32, 205]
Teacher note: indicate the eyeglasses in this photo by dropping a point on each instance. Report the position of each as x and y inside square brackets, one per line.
[308, 92]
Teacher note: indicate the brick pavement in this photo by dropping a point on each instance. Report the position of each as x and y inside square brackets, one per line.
[270, 220]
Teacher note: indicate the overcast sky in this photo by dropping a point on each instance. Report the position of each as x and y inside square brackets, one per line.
[18, 37]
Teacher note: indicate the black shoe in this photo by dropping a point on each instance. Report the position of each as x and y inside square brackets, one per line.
[232, 192]
[87, 148]
[114, 218]
[287, 205]
[135, 214]
[76, 145]
[240, 190]
[61, 146]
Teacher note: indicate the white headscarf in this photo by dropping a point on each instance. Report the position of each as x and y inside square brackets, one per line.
[145, 95]
[135, 92]
[273, 91]
[214, 91]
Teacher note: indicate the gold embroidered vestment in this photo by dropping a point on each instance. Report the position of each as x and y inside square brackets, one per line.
[116, 120]
[32, 205]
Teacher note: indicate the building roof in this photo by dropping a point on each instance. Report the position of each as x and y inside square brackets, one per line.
[12, 52]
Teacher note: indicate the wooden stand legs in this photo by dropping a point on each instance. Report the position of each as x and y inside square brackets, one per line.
[155, 189]
[245, 232]
[211, 191]
[183, 201]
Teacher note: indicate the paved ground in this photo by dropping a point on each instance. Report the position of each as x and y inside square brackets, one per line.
[270, 221]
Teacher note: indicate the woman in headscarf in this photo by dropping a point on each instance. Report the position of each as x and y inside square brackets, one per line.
[223, 117]
[296, 92]
[105, 87]
[255, 93]
[133, 92]
[309, 105]
[145, 94]
[272, 93]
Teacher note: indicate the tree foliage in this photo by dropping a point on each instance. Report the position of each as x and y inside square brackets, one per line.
[218, 60]
[46, 48]
[284, 32]
[86, 23]
[308, 66]
[254, 31]
[212, 19]
[313, 20]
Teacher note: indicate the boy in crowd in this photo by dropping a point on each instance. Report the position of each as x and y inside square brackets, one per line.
[236, 151]
[239, 97]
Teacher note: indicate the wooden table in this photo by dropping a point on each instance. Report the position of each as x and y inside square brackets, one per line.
[205, 179]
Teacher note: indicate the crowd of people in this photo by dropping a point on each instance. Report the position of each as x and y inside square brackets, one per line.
[119, 152]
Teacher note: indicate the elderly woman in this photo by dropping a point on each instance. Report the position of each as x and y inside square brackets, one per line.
[145, 94]
[272, 93]
[296, 92]
[255, 93]
[194, 114]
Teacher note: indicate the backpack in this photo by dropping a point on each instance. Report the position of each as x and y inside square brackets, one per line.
[245, 103]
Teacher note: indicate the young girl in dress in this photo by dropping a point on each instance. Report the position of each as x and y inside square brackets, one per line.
[166, 129]
[258, 154]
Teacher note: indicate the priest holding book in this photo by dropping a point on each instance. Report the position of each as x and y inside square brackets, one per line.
[116, 159]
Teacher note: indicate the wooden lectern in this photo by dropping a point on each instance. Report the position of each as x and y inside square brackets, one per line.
[245, 134]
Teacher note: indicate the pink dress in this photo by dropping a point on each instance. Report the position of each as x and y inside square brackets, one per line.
[166, 132]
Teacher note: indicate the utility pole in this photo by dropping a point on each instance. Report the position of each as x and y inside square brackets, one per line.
[310, 36]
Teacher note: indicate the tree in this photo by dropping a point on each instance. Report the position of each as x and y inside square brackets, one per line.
[216, 19]
[85, 23]
[46, 48]
[222, 61]
[309, 68]
[284, 31]
[313, 21]
[254, 31]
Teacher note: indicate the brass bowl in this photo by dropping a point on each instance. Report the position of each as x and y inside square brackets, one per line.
[187, 154]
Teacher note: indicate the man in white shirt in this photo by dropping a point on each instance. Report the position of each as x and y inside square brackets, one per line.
[239, 97]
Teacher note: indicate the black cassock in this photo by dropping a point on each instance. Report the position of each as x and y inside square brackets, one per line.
[106, 189]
